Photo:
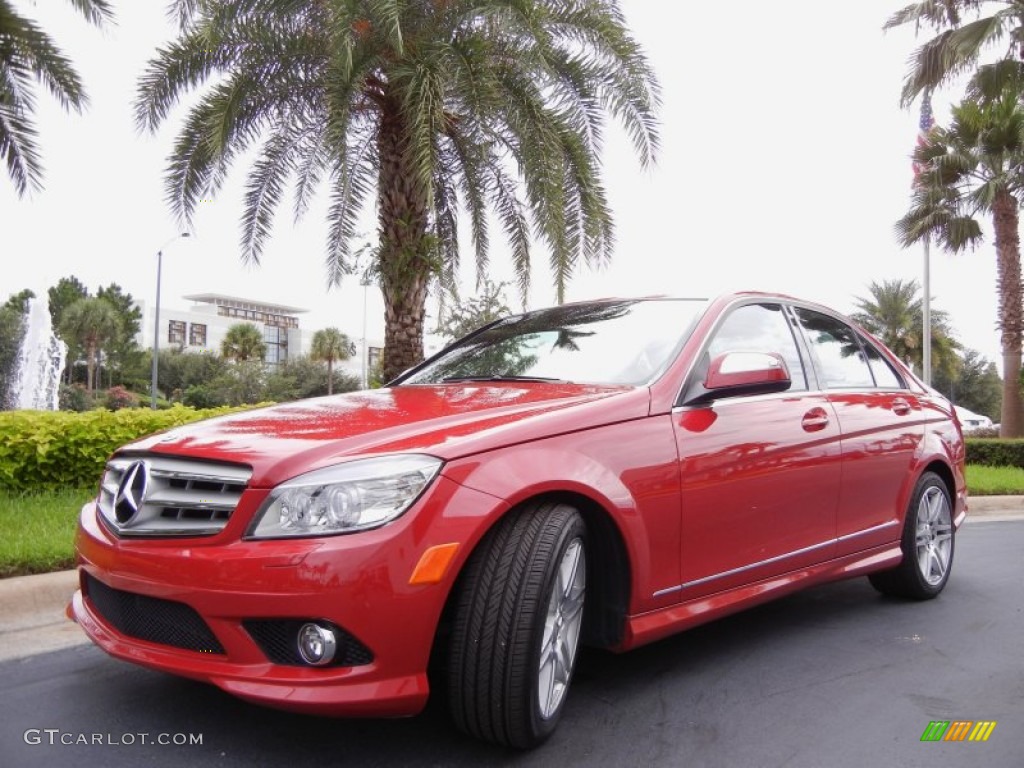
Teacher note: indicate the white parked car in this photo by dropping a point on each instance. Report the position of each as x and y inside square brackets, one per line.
[972, 422]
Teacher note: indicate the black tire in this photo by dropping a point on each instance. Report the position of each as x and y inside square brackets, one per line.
[498, 635]
[927, 562]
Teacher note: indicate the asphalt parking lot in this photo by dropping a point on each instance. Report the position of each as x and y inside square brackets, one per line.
[836, 676]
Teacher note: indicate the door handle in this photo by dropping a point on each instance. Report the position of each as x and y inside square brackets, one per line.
[814, 420]
[900, 407]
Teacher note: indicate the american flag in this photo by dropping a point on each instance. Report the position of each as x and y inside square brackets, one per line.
[924, 130]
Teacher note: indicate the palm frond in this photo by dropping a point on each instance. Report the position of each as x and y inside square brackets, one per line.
[263, 193]
[351, 181]
[310, 161]
[95, 11]
[18, 148]
[28, 48]
[991, 81]
[933, 13]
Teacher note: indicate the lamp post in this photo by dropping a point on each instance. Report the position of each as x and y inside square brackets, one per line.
[156, 319]
[365, 280]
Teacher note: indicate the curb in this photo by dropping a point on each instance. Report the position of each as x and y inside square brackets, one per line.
[30, 601]
[983, 505]
[32, 618]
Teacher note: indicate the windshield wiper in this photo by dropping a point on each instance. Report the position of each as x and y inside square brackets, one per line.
[497, 377]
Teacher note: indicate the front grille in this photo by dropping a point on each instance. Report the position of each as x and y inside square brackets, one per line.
[277, 638]
[150, 618]
[182, 497]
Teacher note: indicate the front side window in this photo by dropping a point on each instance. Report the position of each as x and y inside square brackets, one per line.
[760, 328]
[616, 342]
[837, 351]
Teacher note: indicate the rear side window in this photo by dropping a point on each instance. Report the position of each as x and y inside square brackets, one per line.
[885, 376]
[760, 328]
[837, 351]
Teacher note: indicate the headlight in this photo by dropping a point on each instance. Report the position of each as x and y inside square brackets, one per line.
[348, 497]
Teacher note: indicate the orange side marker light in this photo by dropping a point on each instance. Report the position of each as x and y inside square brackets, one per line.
[433, 564]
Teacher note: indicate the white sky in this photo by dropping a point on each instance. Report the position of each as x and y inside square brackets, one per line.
[785, 162]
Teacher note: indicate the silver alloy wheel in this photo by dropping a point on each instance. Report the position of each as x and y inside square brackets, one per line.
[934, 535]
[562, 629]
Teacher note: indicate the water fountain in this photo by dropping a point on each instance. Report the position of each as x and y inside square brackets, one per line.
[37, 380]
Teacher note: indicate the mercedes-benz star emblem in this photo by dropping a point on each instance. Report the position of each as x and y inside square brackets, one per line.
[131, 492]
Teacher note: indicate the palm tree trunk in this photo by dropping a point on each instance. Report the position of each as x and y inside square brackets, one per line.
[90, 367]
[405, 247]
[330, 375]
[1011, 310]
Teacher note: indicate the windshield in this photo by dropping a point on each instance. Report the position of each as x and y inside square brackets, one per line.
[627, 342]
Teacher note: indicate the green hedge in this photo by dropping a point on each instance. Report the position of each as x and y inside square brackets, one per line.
[49, 450]
[994, 452]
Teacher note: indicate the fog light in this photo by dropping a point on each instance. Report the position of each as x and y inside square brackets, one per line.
[317, 644]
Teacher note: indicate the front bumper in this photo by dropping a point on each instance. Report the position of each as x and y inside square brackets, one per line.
[359, 582]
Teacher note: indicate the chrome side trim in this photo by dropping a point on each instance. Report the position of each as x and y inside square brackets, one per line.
[866, 531]
[742, 568]
[776, 559]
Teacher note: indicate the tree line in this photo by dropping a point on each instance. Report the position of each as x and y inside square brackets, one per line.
[893, 312]
[101, 332]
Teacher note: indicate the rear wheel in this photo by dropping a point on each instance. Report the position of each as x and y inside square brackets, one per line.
[517, 626]
[927, 544]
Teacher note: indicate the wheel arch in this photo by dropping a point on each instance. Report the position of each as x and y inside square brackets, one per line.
[945, 474]
[609, 578]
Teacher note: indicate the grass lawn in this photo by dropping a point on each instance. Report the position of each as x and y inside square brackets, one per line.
[37, 531]
[994, 481]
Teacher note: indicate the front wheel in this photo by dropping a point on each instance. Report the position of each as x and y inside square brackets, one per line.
[517, 626]
[927, 544]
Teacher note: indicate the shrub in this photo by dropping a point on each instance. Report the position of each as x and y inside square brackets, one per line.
[202, 396]
[48, 450]
[995, 453]
[119, 397]
[76, 398]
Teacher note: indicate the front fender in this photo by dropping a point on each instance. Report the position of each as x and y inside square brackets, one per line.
[629, 469]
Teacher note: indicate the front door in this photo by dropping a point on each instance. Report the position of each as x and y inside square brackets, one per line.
[760, 474]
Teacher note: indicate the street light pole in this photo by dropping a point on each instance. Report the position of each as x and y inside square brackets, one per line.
[156, 320]
[364, 280]
[366, 352]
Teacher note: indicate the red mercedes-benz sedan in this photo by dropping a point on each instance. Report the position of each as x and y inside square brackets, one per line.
[608, 473]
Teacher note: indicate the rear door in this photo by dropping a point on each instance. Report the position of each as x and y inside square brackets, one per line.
[882, 423]
[759, 474]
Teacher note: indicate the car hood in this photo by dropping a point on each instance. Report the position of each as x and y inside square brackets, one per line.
[447, 421]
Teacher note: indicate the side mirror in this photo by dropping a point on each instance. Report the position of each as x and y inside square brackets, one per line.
[746, 373]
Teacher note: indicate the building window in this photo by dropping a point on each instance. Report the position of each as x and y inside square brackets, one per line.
[176, 332]
[197, 335]
[276, 340]
[259, 316]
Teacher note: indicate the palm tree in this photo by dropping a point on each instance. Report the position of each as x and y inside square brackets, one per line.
[894, 313]
[994, 26]
[426, 108]
[91, 323]
[972, 169]
[27, 54]
[330, 345]
[243, 342]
